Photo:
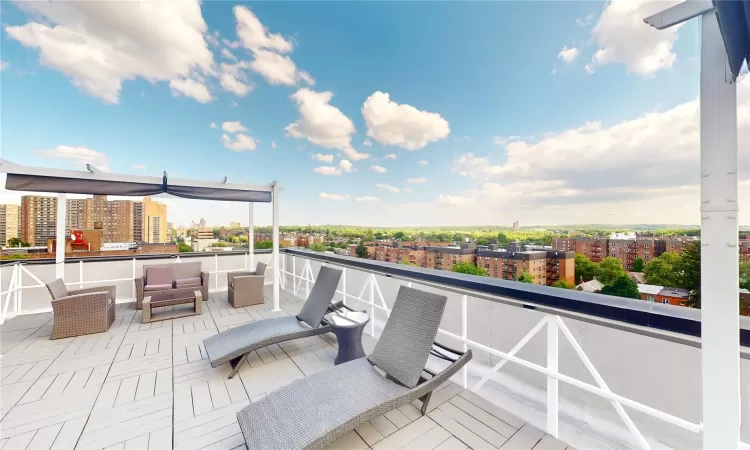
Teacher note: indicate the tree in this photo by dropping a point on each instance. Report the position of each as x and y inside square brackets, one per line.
[184, 247]
[361, 251]
[585, 268]
[611, 269]
[745, 275]
[662, 270]
[317, 247]
[25, 244]
[14, 242]
[563, 284]
[689, 272]
[525, 277]
[622, 287]
[470, 268]
[638, 265]
[399, 235]
[262, 245]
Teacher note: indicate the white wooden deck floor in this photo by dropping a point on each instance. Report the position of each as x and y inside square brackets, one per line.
[150, 386]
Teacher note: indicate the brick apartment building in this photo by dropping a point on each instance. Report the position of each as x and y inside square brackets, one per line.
[595, 249]
[744, 246]
[546, 266]
[627, 250]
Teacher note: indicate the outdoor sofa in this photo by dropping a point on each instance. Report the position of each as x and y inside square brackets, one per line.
[160, 279]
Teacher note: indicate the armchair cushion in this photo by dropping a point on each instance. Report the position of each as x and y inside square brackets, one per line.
[188, 282]
[57, 289]
[159, 276]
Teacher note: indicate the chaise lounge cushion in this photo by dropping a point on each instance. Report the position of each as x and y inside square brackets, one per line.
[316, 404]
[188, 282]
[158, 278]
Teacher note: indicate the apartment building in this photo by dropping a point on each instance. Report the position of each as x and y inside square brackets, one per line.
[137, 221]
[545, 266]
[595, 249]
[628, 249]
[10, 223]
[118, 221]
[154, 221]
[38, 218]
[443, 258]
[398, 253]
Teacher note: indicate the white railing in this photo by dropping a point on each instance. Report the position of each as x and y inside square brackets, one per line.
[21, 277]
[560, 379]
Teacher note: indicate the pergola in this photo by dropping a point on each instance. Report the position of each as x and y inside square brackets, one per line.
[96, 182]
[725, 47]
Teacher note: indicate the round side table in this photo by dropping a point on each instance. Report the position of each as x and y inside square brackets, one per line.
[348, 327]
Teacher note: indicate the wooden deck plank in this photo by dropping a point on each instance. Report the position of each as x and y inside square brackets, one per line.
[483, 416]
[452, 444]
[550, 442]
[456, 429]
[436, 436]
[406, 435]
[473, 425]
[369, 433]
[525, 439]
[350, 441]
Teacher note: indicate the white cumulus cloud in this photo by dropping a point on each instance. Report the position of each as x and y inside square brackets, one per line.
[240, 142]
[420, 180]
[402, 125]
[79, 156]
[328, 196]
[100, 45]
[387, 187]
[423, 162]
[455, 200]
[323, 157]
[569, 55]
[379, 169]
[327, 170]
[213, 125]
[390, 156]
[368, 199]
[345, 165]
[623, 37]
[322, 123]
[233, 127]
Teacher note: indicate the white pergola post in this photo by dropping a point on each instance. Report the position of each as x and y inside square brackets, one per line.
[275, 254]
[62, 204]
[719, 260]
[251, 236]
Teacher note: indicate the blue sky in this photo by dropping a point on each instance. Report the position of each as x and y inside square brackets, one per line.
[514, 105]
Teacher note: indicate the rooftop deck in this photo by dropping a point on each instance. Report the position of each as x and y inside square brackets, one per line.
[150, 386]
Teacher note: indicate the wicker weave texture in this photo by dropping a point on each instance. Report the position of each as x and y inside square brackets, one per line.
[241, 340]
[320, 297]
[83, 313]
[181, 270]
[245, 290]
[407, 338]
[317, 410]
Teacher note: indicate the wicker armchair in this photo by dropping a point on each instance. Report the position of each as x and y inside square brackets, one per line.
[246, 288]
[181, 271]
[81, 311]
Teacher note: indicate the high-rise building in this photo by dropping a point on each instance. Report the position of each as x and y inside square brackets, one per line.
[154, 221]
[137, 221]
[516, 226]
[202, 223]
[234, 225]
[38, 217]
[10, 223]
[118, 221]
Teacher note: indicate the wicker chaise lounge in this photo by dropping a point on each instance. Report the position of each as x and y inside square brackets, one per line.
[81, 311]
[233, 346]
[314, 411]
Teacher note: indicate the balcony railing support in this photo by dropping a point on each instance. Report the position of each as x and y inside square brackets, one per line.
[464, 316]
[275, 252]
[552, 382]
[251, 235]
[62, 204]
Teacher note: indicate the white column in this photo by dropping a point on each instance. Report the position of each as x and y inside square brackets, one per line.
[251, 236]
[275, 255]
[60, 236]
[719, 261]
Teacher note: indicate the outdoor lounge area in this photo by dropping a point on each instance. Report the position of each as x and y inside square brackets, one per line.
[152, 386]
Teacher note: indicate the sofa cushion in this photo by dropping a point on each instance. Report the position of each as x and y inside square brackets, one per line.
[188, 282]
[160, 275]
[157, 287]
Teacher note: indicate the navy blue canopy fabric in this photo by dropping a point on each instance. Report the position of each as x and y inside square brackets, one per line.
[734, 22]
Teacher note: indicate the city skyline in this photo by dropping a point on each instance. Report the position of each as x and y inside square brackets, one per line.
[596, 121]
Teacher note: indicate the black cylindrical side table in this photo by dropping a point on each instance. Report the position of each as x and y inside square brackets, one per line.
[348, 327]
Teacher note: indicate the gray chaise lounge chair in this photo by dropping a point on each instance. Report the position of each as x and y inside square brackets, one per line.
[314, 411]
[233, 346]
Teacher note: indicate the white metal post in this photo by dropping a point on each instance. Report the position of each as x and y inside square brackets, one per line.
[275, 256]
[80, 274]
[372, 302]
[294, 275]
[216, 272]
[464, 311]
[719, 236]
[343, 284]
[251, 235]
[18, 306]
[552, 382]
[60, 236]
[134, 297]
